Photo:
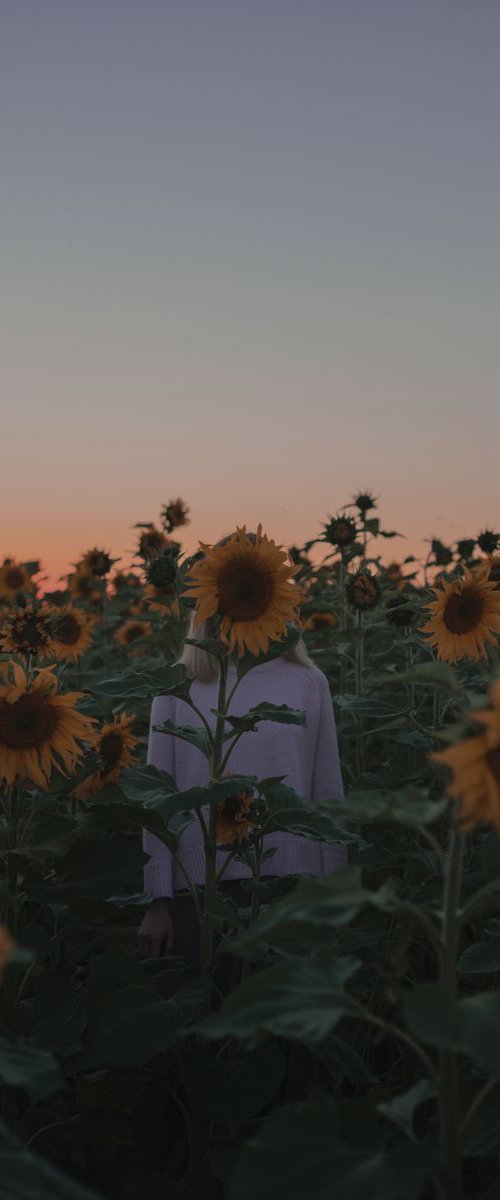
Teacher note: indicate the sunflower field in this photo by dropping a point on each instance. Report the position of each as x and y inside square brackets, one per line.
[126, 1077]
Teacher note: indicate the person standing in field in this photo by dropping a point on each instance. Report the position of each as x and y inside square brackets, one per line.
[248, 579]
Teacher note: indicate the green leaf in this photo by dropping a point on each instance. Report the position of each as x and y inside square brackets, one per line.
[480, 958]
[26, 1176]
[203, 794]
[143, 785]
[36, 1071]
[470, 1026]
[302, 1000]
[300, 1146]
[145, 682]
[281, 713]
[131, 1025]
[194, 734]
[326, 902]
[58, 1013]
[236, 1087]
[440, 675]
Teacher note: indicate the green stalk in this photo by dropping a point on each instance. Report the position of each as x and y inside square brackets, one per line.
[207, 932]
[448, 1060]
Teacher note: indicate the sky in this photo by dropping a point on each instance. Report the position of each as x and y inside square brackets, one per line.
[250, 256]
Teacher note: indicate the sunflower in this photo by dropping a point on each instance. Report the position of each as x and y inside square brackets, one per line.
[339, 531]
[131, 630]
[362, 590]
[475, 763]
[27, 632]
[152, 542]
[365, 502]
[14, 578]
[233, 821]
[96, 562]
[81, 585]
[320, 620]
[249, 584]
[122, 581]
[488, 541]
[466, 615]
[72, 632]
[115, 744]
[175, 514]
[7, 945]
[162, 600]
[36, 724]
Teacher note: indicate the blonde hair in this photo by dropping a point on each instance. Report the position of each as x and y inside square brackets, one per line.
[202, 665]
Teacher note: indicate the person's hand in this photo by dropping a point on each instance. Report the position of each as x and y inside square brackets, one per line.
[156, 931]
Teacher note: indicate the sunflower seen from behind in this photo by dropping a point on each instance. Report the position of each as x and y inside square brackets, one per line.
[248, 581]
[40, 727]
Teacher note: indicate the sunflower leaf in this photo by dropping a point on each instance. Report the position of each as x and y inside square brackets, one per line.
[188, 733]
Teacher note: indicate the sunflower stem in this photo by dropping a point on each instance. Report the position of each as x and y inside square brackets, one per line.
[449, 1105]
[207, 931]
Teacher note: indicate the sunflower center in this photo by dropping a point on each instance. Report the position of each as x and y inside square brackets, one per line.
[28, 723]
[493, 761]
[245, 592]
[67, 630]
[463, 611]
[30, 634]
[15, 578]
[110, 750]
[135, 631]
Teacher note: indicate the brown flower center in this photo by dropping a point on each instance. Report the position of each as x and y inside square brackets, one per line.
[67, 630]
[29, 634]
[464, 610]
[135, 631]
[15, 578]
[110, 749]
[245, 592]
[27, 723]
[493, 761]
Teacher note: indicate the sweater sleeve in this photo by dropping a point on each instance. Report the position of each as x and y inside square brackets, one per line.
[327, 782]
[158, 879]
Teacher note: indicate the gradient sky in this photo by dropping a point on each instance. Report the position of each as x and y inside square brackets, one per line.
[250, 256]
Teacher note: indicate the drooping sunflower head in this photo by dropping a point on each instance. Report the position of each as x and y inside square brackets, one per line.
[362, 590]
[39, 727]
[175, 514]
[236, 820]
[71, 631]
[97, 562]
[14, 580]
[153, 541]
[247, 582]
[27, 632]
[115, 748]
[465, 615]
